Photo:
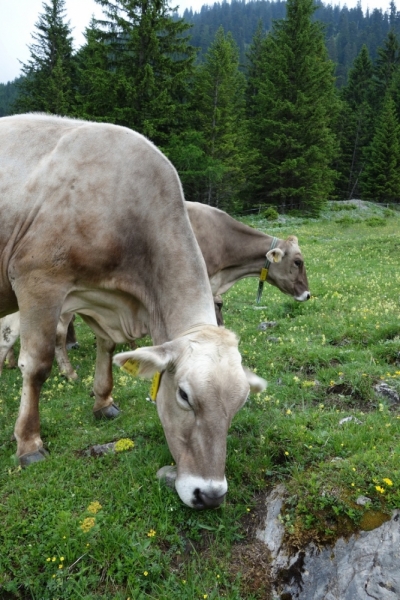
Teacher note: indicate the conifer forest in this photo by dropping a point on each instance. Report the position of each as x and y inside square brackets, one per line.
[259, 105]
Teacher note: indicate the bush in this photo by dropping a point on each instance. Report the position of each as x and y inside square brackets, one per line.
[270, 213]
[375, 221]
[338, 206]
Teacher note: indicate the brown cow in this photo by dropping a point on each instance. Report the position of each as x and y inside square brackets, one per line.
[232, 251]
[82, 206]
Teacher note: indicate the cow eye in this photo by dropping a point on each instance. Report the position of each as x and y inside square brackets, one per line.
[298, 263]
[183, 395]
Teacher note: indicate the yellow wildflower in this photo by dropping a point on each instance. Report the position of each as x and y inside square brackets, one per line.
[145, 573]
[124, 444]
[94, 507]
[379, 489]
[288, 412]
[87, 524]
[387, 481]
[151, 533]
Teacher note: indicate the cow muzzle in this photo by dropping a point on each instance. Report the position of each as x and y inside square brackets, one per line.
[303, 297]
[200, 493]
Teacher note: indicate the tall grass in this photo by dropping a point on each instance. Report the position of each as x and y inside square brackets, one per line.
[80, 527]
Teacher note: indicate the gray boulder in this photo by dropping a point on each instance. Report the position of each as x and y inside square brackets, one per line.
[364, 567]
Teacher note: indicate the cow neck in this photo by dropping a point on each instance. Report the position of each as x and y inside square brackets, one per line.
[194, 329]
[242, 246]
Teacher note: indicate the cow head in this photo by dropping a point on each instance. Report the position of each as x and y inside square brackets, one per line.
[287, 271]
[203, 385]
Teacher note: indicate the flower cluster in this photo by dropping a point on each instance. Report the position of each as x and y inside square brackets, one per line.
[124, 444]
[94, 507]
[87, 524]
[151, 533]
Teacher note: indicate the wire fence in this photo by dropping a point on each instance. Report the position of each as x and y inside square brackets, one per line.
[285, 208]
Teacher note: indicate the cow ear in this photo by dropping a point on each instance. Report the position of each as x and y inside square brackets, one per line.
[275, 255]
[146, 361]
[257, 384]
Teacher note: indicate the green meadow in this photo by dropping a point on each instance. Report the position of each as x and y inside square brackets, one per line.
[82, 527]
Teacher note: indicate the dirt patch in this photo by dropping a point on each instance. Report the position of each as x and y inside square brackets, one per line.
[252, 563]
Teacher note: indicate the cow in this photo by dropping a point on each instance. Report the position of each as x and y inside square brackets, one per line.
[94, 223]
[232, 251]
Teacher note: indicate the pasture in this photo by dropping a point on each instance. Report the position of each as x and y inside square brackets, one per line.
[82, 527]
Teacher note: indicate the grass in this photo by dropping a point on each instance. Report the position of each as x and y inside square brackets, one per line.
[322, 361]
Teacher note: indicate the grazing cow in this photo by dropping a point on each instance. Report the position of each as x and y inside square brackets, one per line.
[94, 222]
[233, 250]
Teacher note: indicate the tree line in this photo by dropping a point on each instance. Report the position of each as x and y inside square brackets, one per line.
[346, 29]
[276, 132]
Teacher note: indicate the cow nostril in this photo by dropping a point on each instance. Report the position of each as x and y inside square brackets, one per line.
[202, 500]
[308, 295]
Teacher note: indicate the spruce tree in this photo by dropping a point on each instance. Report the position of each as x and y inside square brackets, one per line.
[387, 63]
[354, 126]
[295, 105]
[142, 56]
[97, 90]
[47, 85]
[381, 177]
[219, 92]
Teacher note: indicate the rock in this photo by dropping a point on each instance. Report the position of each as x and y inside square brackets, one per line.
[168, 475]
[363, 500]
[266, 324]
[348, 419]
[366, 566]
[383, 389]
[100, 449]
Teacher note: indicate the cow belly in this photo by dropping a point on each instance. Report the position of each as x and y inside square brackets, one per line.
[118, 317]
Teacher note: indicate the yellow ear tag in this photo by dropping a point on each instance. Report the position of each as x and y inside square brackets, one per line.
[264, 274]
[131, 366]
[155, 386]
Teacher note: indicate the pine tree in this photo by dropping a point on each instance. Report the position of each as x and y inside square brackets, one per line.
[219, 93]
[295, 105]
[354, 125]
[381, 176]
[96, 96]
[48, 80]
[142, 56]
[386, 65]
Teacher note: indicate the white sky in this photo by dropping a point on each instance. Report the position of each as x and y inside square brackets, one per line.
[18, 18]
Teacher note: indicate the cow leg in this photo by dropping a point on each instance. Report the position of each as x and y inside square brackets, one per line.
[62, 359]
[11, 360]
[38, 335]
[72, 342]
[9, 333]
[104, 406]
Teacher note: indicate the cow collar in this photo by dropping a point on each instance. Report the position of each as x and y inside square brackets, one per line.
[264, 272]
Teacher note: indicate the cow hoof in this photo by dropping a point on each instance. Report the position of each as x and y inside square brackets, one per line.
[168, 475]
[32, 457]
[108, 412]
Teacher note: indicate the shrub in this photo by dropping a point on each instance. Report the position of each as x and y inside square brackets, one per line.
[270, 213]
[375, 221]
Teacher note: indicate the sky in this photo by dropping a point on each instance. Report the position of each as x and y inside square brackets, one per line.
[18, 18]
